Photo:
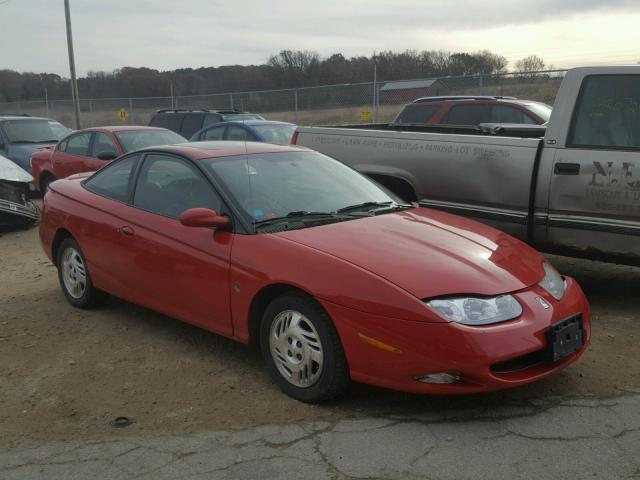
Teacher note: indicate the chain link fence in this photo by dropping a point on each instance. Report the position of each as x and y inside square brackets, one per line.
[330, 104]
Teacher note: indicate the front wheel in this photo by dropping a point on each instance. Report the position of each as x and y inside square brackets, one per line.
[302, 349]
[74, 276]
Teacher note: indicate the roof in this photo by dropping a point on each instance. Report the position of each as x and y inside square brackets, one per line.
[121, 128]
[409, 84]
[23, 117]
[210, 149]
[444, 98]
[251, 123]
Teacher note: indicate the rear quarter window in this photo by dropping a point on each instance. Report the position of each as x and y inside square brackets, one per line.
[417, 113]
[171, 121]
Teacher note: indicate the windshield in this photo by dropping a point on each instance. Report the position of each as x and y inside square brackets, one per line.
[137, 139]
[279, 134]
[230, 117]
[34, 131]
[273, 185]
[541, 109]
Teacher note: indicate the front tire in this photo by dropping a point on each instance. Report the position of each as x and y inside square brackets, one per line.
[302, 349]
[74, 277]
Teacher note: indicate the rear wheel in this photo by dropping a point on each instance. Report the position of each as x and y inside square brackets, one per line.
[74, 276]
[302, 349]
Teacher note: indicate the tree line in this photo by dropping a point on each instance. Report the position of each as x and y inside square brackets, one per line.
[287, 69]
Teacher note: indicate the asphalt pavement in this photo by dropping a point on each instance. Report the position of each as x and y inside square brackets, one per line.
[556, 438]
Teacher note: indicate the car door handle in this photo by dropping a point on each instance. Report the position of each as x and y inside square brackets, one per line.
[126, 230]
[566, 168]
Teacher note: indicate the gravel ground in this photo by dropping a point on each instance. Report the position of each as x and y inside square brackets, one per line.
[66, 373]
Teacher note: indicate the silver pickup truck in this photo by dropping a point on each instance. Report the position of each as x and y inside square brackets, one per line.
[570, 187]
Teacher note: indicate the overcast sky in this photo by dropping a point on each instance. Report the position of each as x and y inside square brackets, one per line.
[167, 34]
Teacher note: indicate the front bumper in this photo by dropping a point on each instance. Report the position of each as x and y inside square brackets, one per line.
[483, 357]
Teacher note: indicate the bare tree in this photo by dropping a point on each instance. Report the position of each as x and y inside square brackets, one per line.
[532, 63]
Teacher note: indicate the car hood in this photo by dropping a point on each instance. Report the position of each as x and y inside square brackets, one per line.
[20, 153]
[429, 253]
[11, 172]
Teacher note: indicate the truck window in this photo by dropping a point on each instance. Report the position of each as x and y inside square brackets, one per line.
[468, 115]
[416, 113]
[607, 113]
[507, 114]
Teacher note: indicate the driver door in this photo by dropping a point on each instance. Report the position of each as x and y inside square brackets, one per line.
[180, 271]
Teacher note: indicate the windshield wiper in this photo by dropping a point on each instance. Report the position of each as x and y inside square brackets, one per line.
[293, 215]
[369, 206]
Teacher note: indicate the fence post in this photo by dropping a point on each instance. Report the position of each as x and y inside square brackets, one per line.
[130, 110]
[376, 97]
[295, 104]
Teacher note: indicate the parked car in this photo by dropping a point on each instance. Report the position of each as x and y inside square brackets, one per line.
[90, 149]
[268, 131]
[15, 208]
[188, 122]
[570, 187]
[21, 135]
[473, 110]
[332, 275]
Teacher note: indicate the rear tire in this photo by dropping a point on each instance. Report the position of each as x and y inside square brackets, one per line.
[302, 349]
[74, 276]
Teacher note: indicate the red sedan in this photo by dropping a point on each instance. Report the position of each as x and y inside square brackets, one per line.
[334, 277]
[90, 149]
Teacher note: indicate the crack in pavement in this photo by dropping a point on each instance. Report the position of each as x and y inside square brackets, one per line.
[564, 437]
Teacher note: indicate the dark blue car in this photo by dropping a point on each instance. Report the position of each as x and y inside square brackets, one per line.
[22, 135]
[249, 131]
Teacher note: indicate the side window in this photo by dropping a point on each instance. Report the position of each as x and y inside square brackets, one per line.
[607, 113]
[211, 118]
[236, 133]
[114, 181]
[62, 146]
[191, 124]
[170, 121]
[468, 115]
[169, 185]
[507, 114]
[102, 143]
[417, 113]
[79, 144]
[213, 134]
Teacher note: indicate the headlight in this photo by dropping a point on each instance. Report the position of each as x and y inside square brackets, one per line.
[553, 282]
[477, 310]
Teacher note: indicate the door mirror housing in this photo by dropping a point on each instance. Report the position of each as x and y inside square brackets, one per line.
[204, 217]
[107, 155]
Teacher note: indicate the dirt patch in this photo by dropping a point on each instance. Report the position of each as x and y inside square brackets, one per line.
[66, 373]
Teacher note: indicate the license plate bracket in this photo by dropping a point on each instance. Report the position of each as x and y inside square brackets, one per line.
[565, 338]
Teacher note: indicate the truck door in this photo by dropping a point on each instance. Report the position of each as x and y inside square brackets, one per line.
[594, 196]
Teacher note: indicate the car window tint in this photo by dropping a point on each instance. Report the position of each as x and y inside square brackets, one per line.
[114, 181]
[236, 133]
[79, 144]
[417, 113]
[213, 134]
[191, 124]
[102, 143]
[468, 115]
[607, 114]
[169, 185]
[211, 118]
[507, 114]
[171, 121]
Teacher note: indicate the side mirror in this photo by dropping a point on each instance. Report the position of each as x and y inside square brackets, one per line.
[203, 217]
[107, 155]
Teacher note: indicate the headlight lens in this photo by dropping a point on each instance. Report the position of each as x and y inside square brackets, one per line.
[477, 310]
[553, 282]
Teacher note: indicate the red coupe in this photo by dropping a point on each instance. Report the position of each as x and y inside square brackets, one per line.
[90, 149]
[334, 277]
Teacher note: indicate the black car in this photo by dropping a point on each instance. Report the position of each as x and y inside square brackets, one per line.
[188, 122]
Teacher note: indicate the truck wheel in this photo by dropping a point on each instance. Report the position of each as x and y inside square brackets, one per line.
[302, 349]
[400, 187]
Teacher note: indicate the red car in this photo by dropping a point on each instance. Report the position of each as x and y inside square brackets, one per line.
[334, 277]
[473, 110]
[90, 149]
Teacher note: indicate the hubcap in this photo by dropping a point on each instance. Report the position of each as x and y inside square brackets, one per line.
[74, 274]
[296, 349]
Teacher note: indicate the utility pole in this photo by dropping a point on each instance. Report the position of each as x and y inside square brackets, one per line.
[375, 89]
[72, 66]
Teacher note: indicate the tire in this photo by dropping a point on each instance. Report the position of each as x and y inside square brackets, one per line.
[44, 184]
[302, 349]
[74, 277]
